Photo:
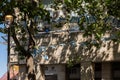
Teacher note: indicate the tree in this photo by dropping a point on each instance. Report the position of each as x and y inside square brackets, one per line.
[94, 17]
[24, 26]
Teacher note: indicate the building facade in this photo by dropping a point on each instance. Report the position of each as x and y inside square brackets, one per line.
[66, 55]
[89, 62]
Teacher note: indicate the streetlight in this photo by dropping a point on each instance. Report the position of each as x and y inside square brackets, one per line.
[8, 21]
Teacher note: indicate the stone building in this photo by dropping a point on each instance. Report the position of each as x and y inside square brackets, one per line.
[66, 55]
[89, 62]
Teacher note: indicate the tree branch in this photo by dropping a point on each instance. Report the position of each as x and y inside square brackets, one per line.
[31, 40]
[24, 52]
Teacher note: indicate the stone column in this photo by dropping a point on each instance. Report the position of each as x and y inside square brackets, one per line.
[106, 71]
[87, 71]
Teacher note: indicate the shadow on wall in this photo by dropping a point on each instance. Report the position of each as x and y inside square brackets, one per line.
[68, 47]
[62, 47]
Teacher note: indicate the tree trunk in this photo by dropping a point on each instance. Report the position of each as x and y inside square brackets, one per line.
[30, 68]
[32, 72]
[40, 72]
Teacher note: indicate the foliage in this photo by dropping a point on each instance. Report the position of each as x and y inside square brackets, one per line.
[94, 17]
[24, 13]
[28, 13]
[72, 61]
[113, 7]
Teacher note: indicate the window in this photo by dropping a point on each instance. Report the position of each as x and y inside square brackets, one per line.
[98, 71]
[116, 70]
[46, 68]
[50, 77]
[73, 73]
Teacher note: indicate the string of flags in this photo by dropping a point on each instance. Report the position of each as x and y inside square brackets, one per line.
[73, 43]
[89, 20]
[42, 49]
[74, 18]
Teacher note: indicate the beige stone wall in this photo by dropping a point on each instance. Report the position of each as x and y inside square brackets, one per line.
[108, 50]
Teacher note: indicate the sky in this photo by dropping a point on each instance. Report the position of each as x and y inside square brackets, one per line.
[3, 56]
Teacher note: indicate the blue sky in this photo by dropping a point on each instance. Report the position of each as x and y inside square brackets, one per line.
[3, 56]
